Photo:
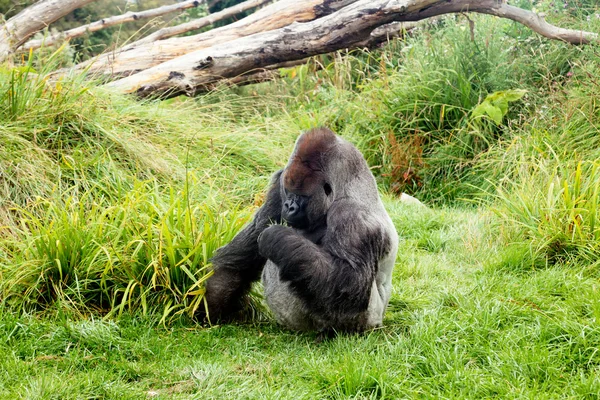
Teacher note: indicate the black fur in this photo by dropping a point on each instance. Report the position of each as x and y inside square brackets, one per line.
[238, 264]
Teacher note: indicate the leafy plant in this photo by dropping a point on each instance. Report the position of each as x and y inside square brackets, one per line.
[495, 105]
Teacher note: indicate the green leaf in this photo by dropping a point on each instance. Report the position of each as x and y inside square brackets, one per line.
[486, 108]
[495, 104]
[514, 94]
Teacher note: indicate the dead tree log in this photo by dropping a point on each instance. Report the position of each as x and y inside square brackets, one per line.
[15, 31]
[108, 22]
[140, 56]
[197, 23]
[350, 25]
[271, 72]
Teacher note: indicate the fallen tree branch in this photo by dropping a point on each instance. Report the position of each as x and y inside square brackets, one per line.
[499, 8]
[351, 24]
[539, 25]
[198, 23]
[108, 22]
[16, 31]
[271, 72]
[135, 58]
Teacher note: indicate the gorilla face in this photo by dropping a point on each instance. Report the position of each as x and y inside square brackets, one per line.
[294, 210]
[306, 192]
[306, 211]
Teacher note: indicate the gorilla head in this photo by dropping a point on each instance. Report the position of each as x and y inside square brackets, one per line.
[306, 190]
[330, 268]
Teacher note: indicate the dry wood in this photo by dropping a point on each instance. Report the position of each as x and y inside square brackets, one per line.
[271, 72]
[133, 59]
[539, 25]
[351, 24]
[198, 23]
[32, 19]
[108, 22]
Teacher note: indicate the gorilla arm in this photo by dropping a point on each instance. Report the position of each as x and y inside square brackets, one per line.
[238, 264]
[333, 279]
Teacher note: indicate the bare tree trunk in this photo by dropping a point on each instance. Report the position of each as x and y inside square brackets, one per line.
[141, 56]
[538, 24]
[19, 28]
[352, 24]
[108, 22]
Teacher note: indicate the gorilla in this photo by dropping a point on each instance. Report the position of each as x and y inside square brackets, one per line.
[322, 243]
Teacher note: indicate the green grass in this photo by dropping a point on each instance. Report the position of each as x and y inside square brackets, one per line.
[143, 254]
[111, 208]
[554, 210]
[462, 323]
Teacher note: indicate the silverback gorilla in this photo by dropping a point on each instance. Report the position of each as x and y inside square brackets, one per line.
[329, 268]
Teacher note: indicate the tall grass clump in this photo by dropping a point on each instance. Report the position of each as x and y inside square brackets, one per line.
[27, 94]
[436, 125]
[553, 206]
[146, 252]
[68, 134]
[65, 132]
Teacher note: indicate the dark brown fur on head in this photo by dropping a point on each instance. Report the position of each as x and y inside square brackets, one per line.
[305, 169]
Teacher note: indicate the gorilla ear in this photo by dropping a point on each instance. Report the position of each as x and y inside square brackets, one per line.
[327, 189]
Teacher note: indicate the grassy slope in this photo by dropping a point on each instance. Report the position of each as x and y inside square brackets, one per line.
[485, 303]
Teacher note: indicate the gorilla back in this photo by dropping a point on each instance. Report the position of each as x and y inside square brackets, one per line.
[330, 265]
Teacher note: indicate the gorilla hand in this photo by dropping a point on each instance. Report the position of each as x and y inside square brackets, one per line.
[281, 244]
[271, 239]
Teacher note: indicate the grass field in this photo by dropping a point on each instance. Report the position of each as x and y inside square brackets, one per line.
[468, 319]
[110, 210]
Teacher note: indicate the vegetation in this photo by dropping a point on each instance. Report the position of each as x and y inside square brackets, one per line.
[110, 210]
